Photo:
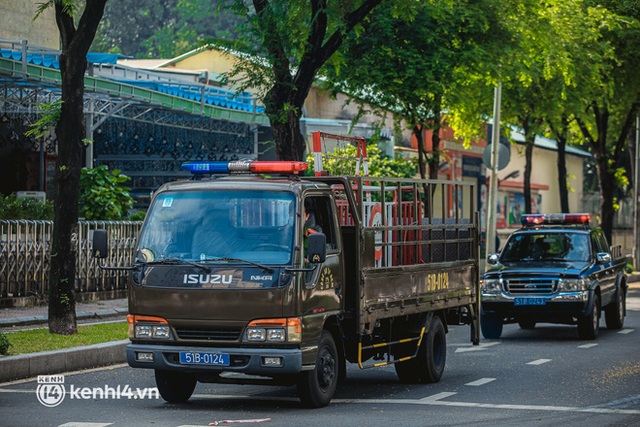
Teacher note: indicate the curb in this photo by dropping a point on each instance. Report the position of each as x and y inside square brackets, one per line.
[53, 362]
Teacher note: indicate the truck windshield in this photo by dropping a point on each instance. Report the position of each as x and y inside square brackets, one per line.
[547, 247]
[203, 226]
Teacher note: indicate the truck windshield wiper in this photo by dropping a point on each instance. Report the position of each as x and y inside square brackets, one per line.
[228, 259]
[173, 261]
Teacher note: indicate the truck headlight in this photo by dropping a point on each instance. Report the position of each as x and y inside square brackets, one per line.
[148, 327]
[491, 286]
[571, 285]
[274, 330]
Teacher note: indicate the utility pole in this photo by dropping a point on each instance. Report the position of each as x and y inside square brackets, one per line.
[493, 183]
[636, 240]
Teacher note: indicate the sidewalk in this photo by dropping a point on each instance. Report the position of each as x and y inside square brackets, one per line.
[24, 316]
[70, 359]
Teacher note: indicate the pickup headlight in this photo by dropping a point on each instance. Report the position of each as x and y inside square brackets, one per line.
[274, 330]
[148, 327]
[491, 286]
[571, 285]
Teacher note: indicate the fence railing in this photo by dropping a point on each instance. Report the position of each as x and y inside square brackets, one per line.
[25, 256]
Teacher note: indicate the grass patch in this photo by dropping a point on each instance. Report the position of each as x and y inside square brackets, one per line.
[35, 340]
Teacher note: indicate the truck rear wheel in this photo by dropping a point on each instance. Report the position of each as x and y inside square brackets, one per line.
[175, 387]
[491, 326]
[614, 313]
[589, 325]
[316, 388]
[428, 365]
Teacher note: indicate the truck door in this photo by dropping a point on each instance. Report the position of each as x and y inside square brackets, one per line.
[323, 289]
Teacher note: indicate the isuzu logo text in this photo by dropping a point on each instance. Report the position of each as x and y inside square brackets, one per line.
[207, 279]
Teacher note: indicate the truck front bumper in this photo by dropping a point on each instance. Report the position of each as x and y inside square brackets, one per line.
[251, 361]
[562, 304]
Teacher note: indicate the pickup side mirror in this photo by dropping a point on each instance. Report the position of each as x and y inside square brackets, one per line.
[317, 248]
[100, 244]
[493, 259]
[603, 257]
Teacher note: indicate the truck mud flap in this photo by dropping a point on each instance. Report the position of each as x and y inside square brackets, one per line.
[361, 348]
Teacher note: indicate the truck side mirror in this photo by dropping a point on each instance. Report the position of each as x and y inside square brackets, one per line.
[603, 257]
[317, 248]
[100, 244]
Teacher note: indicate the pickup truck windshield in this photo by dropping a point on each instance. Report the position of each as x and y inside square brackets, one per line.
[547, 247]
[204, 226]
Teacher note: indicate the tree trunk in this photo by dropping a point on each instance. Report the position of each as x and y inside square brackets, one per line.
[290, 143]
[418, 130]
[70, 132]
[562, 171]
[434, 161]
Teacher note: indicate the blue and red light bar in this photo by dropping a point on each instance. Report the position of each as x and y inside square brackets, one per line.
[246, 166]
[563, 219]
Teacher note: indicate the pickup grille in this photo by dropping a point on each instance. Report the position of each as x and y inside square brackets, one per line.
[531, 286]
[208, 334]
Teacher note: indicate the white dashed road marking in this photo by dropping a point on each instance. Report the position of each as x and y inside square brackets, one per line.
[481, 381]
[469, 347]
[588, 345]
[539, 362]
[625, 331]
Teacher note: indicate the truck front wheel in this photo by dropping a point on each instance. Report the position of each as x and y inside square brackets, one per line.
[175, 387]
[428, 365]
[316, 388]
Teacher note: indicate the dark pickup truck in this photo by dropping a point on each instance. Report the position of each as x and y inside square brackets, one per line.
[555, 269]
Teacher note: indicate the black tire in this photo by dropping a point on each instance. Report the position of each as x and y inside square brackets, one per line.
[175, 387]
[589, 325]
[614, 312]
[491, 326]
[316, 388]
[527, 324]
[429, 363]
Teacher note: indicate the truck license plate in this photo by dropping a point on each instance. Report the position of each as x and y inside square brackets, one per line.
[203, 358]
[529, 301]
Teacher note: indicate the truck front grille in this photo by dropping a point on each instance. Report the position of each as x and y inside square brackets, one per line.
[208, 334]
[531, 286]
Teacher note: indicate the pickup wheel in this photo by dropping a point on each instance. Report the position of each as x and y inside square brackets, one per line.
[316, 388]
[491, 326]
[175, 387]
[428, 365]
[614, 312]
[589, 325]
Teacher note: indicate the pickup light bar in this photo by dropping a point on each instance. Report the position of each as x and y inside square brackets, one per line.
[564, 219]
[245, 166]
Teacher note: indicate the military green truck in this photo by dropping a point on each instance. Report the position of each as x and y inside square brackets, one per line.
[228, 285]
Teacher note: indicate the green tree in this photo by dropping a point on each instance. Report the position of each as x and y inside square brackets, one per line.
[103, 195]
[161, 28]
[342, 161]
[611, 96]
[70, 132]
[294, 39]
[408, 65]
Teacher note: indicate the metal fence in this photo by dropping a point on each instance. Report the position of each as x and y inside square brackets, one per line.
[25, 256]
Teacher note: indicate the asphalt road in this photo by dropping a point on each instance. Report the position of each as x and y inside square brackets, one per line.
[542, 377]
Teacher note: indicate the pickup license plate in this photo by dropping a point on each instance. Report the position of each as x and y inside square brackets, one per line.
[529, 301]
[203, 358]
